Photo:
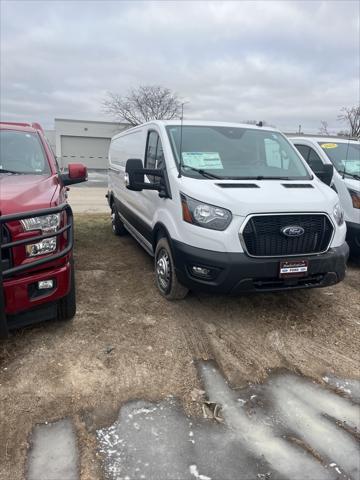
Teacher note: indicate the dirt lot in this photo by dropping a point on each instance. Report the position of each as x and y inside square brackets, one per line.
[126, 343]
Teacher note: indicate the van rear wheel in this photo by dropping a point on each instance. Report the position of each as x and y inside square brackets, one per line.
[165, 275]
[116, 223]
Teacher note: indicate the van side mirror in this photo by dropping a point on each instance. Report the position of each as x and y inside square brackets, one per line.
[77, 173]
[326, 173]
[135, 178]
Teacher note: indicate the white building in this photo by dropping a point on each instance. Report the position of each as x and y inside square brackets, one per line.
[83, 141]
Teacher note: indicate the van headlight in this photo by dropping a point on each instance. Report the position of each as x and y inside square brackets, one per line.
[205, 215]
[355, 198]
[45, 223]
[338, 213]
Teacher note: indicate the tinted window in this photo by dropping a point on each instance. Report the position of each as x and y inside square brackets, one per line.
[304, 150]
[160, 159]
[314, 161]
[234, 152]
[154, 154]
[22, 152]
[150, 158]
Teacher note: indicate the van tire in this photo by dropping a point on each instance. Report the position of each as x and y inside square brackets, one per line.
[67, 305]
[116, 223]
[165, 275]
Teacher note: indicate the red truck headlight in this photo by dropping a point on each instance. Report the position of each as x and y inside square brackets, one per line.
[45, 223]
[47, 245]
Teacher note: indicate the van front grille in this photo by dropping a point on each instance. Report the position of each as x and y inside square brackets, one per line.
[263, 235]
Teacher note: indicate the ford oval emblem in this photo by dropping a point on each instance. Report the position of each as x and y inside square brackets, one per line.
[293, 231]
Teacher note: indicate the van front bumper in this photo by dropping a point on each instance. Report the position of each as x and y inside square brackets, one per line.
[234, 273]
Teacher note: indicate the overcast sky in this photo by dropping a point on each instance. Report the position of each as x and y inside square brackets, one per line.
[286, 62]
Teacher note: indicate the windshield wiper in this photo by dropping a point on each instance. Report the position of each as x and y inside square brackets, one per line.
[202, 172]
[4, 170]
[354, 175]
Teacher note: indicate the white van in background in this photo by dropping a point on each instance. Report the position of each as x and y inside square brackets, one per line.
[225, 208]
[345, 156]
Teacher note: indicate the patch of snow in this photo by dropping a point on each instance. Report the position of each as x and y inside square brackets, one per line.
[195, 473]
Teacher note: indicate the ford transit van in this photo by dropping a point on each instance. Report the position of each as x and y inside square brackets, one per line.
[345, 156]
[225, 208]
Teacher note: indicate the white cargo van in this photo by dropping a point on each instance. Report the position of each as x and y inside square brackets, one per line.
[345, 156]
[225, 208]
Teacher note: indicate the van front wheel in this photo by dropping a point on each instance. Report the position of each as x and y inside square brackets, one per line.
[165, 274]
[116, 223]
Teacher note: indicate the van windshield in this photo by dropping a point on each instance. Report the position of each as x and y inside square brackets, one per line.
[344, 156]
[21, 153]
[235, 153]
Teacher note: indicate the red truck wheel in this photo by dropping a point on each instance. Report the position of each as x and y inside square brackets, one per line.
[67, 305]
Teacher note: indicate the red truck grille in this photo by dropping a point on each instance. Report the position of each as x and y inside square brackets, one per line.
[6, 252]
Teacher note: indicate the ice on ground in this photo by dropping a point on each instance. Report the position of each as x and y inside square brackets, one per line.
[287, 428]
[54, 454]
[348, 386]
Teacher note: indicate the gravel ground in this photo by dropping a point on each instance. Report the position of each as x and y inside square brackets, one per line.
[127, 343]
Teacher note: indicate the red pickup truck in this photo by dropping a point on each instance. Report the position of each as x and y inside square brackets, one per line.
[36, 229]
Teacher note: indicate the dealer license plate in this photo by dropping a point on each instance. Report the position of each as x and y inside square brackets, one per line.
[293, 268]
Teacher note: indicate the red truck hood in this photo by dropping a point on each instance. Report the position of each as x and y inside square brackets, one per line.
[21, 193]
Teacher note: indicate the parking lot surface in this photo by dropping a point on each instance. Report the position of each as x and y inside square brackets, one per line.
[265, 381]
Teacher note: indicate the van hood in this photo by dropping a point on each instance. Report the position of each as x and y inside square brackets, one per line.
[21, 193]
[268, 196]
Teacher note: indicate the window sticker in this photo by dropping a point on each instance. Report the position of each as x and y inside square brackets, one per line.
[329, 145]
[204, 160]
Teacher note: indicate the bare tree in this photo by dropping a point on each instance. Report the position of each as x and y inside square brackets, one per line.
[143, 104]
[323, 130]
[351, 116]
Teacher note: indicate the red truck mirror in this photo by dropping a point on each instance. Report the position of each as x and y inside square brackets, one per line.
[77, 173]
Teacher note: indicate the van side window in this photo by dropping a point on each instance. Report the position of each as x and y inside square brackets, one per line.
[160, 160]
[150, 157]
[304, 150]
[311, 157]
[315, 161]
[154, 154]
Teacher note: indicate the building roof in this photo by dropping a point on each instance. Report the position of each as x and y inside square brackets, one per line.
[88, 121]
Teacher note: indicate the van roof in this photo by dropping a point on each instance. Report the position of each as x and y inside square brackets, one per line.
[202, 123]
[326, 139]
